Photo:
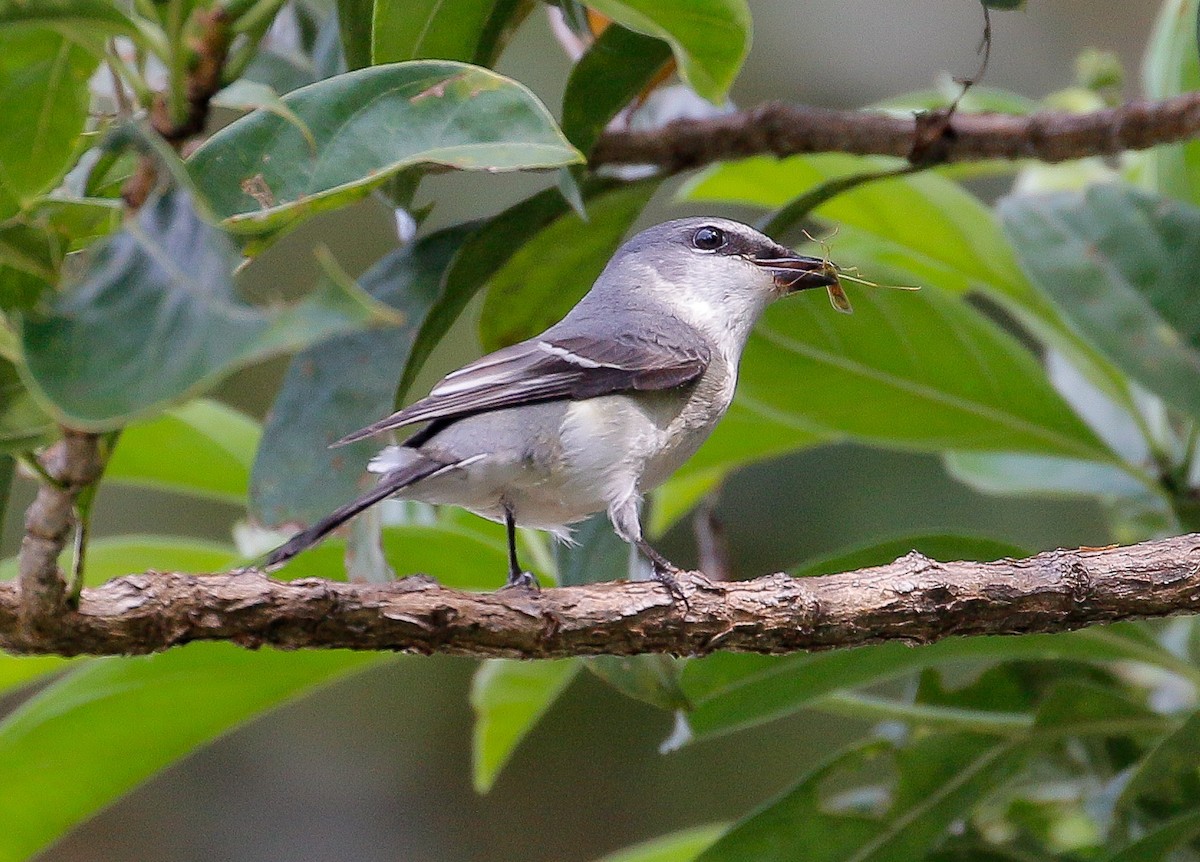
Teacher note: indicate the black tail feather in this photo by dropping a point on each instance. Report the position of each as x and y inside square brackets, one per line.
[388, 485]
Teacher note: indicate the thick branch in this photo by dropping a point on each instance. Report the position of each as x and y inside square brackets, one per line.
[913, 599]
[785, 130]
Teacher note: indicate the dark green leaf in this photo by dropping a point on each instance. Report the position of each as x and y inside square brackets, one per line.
[618, 66]
[202, 448]
[43, 92]
[1172, 68]
[262, 176]
[683, 846]
[540, 283]
[355, 24]
[1159, 841]
[941, 779]
[1004, 4]
[1122, 265]
[344, 384]
[710, 38]
[732, 691]
[57, 763]
[1076, 708]
[509, 696]
[932, 372]
[652, 679]
[796, 825]
[1167, 768]
[156, 318]
[437, 29]
[490, 246]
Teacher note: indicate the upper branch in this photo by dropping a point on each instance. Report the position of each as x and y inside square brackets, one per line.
[913, 599]
[931, 138]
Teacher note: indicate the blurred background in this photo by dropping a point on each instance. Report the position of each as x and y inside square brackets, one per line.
[377, 767]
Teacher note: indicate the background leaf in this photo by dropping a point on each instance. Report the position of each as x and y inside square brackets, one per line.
[937, 374]
[156, 318]
[344, 384]
[682, 846]
[202, 448]
[544, 279]
[152, 710]
[44, 92]
[1121, 266]
[509, 696]
[1171, 68]
[453, 114]
[441, 29]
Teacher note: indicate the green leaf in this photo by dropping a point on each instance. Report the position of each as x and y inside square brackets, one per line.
[925, 372]
[57, 763]
[941, 779]
[156, 319]
[43, 92]
[354, 24]
[29, 261]
[1042, 475]
[202, 448]
[1122, 266]
[796, 825]
[616, 68]
[439, 29]
[23, 424]
[344, 384]
[682, 846]
[541, 282]
[734, 691]
[710, 38]
[509, 696]
[80, 20]
[1161, 840]
[262, 176]
[1171, 68]
[1167, 767]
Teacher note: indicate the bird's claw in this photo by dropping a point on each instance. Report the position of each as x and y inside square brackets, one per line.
[666, 575]
[522, 580]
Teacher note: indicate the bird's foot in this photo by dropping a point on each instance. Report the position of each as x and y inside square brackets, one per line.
[522, 580]
[667, 575]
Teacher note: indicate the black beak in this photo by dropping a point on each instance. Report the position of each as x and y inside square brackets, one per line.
[797, 272]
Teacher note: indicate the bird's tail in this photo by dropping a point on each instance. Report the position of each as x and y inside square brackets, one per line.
[388, 485]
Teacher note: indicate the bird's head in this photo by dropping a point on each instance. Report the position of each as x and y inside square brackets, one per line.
[716, 270]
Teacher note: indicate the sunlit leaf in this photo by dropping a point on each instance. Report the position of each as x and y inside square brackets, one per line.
[710, 38]
[682, 846]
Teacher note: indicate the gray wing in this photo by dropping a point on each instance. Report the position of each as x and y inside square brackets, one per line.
[553, 367]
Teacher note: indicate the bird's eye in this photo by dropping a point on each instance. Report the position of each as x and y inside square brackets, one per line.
[708, 238]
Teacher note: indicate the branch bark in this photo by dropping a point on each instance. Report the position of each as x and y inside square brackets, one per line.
[913, 599]
[931, 138]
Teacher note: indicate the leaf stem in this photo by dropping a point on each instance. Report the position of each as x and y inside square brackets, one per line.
[177, 64]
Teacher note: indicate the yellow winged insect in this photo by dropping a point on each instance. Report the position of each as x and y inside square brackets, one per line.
[837, 294]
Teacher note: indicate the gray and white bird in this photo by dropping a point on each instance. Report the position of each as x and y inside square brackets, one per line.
[600, 408]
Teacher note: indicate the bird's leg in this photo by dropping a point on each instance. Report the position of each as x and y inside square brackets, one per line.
[628, 525]
[517, 577]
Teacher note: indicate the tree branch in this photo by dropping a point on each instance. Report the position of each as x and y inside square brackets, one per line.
[929, 138]
[913, 599]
